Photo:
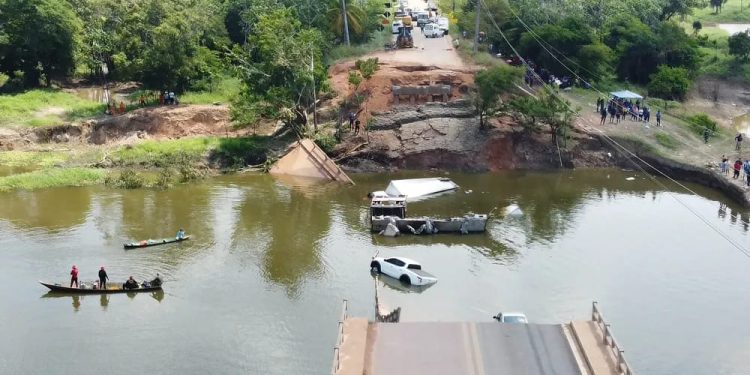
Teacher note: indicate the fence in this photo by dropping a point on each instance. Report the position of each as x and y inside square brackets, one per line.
[339, 338]
[609, 341]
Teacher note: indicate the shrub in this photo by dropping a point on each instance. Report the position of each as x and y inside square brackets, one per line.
[128, 179]
[669, 83]
[698, 123]
[325, 142]
[367, 67]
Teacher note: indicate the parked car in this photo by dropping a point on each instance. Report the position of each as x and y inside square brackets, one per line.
[432, 30]
[395, 26]
[406, 270]
[443, 24]
[422, 18]
[511, 317]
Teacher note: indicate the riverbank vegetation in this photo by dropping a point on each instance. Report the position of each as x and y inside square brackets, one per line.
[52, 177]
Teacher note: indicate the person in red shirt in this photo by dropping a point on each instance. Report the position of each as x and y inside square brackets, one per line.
[74, 276]
[737, 168]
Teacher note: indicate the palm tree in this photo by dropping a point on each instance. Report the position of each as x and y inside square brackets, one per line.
[356, 18]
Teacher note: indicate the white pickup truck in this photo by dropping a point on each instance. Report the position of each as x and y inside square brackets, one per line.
[404, 269]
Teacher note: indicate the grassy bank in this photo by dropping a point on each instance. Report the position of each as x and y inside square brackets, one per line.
[52, 177]
[227, 152]
[222, 91]
[44, 108]
[730, 13]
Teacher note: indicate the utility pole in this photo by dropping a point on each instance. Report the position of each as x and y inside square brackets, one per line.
[346, 23]
[477, 9]
[315, 99]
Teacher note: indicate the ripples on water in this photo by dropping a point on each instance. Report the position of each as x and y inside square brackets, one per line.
[259, 287]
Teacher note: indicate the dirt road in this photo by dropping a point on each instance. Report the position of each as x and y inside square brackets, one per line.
[427, 51]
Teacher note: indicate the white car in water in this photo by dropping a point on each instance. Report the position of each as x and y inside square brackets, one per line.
[406, 270]
[511, 317]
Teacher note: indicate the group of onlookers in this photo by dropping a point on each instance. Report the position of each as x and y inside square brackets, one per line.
[618, 108]
[145, 99]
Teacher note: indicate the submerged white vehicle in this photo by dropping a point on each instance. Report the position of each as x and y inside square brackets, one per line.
[511, 317]
[406, 270]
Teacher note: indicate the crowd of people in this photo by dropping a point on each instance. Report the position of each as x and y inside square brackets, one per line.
[739, 167]
[618, 108]
[145, 99]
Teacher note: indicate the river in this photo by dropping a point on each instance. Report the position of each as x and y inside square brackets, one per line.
[258, 289]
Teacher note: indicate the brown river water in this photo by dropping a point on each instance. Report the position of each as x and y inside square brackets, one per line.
[258, 289]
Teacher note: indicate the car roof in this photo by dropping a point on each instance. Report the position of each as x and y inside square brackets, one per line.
[405, 260]
[513, 313]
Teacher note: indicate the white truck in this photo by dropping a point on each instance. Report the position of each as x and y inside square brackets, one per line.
[443, 24]
[406, 270]
[431, 30]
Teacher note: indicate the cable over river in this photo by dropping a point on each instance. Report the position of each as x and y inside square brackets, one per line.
[258, 287]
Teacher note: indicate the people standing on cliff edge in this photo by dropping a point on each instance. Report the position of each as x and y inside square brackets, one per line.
[74, 276]
[603, 113]
[737, 168]
[724, 166]
[746, 168]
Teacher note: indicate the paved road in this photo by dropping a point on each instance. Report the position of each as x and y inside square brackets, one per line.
[426, 51]
[437, 348]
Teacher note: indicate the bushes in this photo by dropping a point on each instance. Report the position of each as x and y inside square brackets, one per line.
[127, 179]
[236, 153]
[669, 83]
[698, 123]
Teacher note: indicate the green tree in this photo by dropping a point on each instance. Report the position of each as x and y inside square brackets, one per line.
[669, 83]
[595, 61]
[636, 48]
[490, 85]
[546, 107]
[739, 45]
[280, 65]
[671, 8]
[356, 18]
[39, 38]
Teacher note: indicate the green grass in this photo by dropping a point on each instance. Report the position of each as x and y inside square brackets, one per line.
[730, 13]
[376, 42]
[222, 92]
[32, 158]
[666, 140]
[55, 177]
[186, 151]
[27, 109]
[164, 153]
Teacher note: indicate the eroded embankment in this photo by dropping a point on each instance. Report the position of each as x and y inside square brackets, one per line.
[164, 122]
[447, 136]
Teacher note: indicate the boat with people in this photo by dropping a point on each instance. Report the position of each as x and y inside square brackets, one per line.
[388, 217]
[149, 242]
[93, 288]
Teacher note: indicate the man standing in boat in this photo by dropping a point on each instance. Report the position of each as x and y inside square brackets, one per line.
[103, 278]
[74, 276]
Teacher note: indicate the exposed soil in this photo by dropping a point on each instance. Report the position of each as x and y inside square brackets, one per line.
[165, 122]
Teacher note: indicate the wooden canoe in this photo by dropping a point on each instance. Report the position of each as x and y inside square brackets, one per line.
[147, 243]
[110, 289]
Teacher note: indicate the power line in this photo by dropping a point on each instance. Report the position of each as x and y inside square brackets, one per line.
[608, 138]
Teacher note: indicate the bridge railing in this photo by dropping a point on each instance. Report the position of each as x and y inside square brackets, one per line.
[339, 338]
[609, 340]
